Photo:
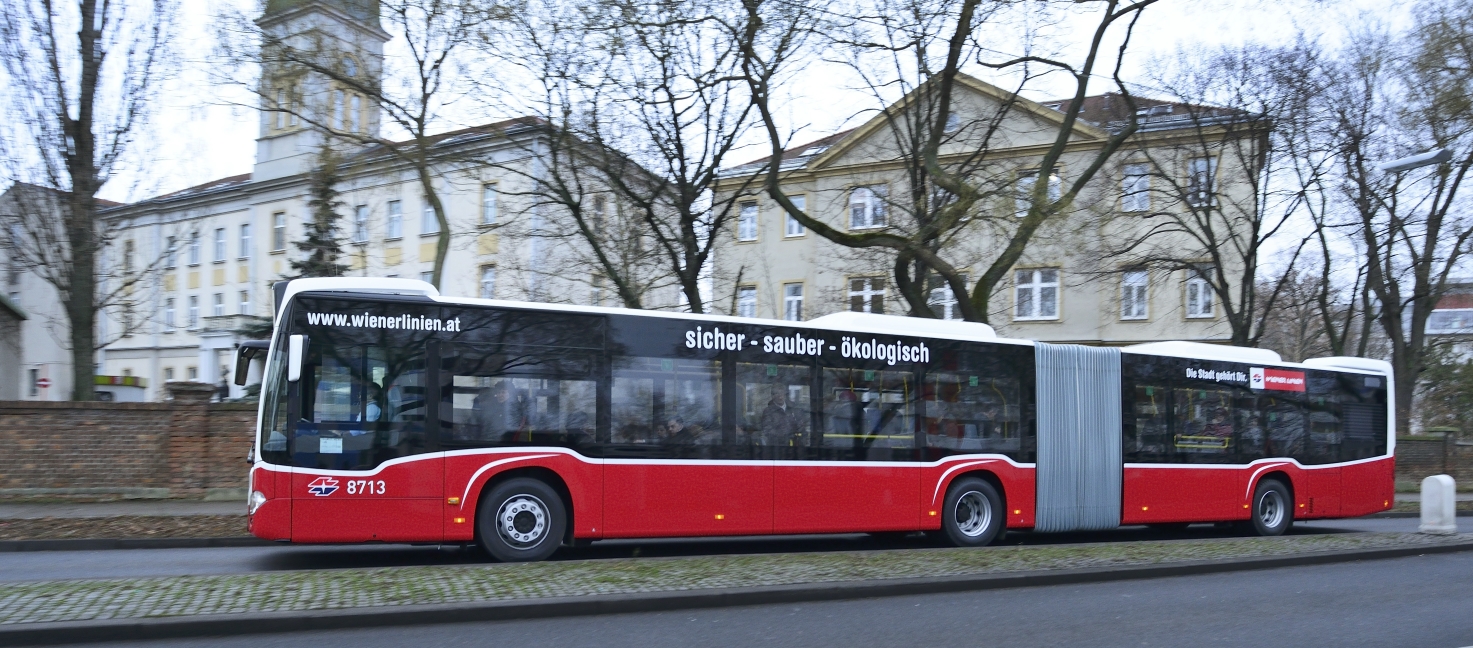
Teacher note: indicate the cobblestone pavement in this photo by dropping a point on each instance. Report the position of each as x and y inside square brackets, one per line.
[79, 600]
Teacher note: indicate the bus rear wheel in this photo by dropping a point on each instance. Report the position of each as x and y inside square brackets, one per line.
[521, 520]
[973, 513]
[1273, 508]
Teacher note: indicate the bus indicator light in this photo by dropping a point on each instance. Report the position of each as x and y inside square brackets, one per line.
[460, 520]
[453, 501]
[720, 516]
[933, 514]
[1017, 511]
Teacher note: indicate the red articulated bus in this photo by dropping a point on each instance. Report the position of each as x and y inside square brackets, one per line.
[391, 414]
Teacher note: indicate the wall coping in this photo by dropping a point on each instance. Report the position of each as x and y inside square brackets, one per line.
[81, 405]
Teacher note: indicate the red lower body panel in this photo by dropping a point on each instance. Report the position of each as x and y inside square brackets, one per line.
[681, 499]
[818, 498]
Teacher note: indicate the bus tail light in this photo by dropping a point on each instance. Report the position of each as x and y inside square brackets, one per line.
[257, 499]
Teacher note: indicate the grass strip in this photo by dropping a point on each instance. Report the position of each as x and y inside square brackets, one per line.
[80, 600]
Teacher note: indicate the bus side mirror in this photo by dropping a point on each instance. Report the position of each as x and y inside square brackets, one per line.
[296, 347]
[244, 354]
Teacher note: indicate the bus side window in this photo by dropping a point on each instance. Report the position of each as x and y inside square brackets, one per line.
[1283, 420]
[1151, 438]
[1204, 425]
[773, 403]
[971, 413]
[669, 406]
[513, 395]
[1325, 434]
[868, 413]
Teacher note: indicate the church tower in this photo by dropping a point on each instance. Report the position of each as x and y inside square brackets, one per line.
[317, 57]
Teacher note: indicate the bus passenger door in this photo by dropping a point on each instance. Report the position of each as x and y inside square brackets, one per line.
[858, 471]
[674, 466]
[361, 406]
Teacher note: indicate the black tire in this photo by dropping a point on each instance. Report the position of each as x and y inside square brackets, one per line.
[521, 520]
[973, 515]
[1272, 509]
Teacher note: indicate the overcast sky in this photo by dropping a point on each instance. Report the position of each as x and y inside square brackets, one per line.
[200, 136]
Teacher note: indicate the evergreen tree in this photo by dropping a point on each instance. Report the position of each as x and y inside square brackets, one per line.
[321, 242]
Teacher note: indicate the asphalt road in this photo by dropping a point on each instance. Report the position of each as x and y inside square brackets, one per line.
[1418, 601]
[53, 565]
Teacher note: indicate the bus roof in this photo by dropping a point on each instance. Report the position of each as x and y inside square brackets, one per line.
[844, 320]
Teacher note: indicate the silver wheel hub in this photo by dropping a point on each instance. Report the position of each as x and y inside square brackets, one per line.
[522, 521]
[1271, 509]
[973, 514]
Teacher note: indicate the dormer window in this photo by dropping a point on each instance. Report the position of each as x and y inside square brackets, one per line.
[953, 123]
[350, 68]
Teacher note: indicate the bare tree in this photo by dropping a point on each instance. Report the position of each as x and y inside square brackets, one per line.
[311, 77]
[644, 104]
[1392, 98]
[82, 79]
[950, 178]
[1239, 122]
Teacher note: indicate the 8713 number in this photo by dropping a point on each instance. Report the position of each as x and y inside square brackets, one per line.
[365, 487]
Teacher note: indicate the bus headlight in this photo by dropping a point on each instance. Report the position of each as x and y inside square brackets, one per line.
[257, 499]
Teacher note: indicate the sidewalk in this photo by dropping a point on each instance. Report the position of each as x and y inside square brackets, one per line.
[150, 508]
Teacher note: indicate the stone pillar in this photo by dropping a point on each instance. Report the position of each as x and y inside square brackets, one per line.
[188, 438]
[1439, 505]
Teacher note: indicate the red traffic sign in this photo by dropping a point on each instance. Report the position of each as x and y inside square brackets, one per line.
[43, 383]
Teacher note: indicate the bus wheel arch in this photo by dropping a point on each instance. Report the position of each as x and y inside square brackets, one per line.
[974, 511]
[547, 477]
[978, 473]
[1271, 509]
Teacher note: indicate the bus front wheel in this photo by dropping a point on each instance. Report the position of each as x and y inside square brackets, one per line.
[521, 520]
[973, 513]
[1273, 508]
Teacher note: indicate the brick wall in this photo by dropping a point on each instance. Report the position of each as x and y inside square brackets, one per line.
[186, 447]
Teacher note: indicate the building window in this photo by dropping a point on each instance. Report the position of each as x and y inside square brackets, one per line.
[867, 207]
[217, 308]
[169, 314]
[394, 226]
[193, 311]
[791, 226]
[1203, 175]
[1134, 292]
[867, 295]
[244, 307]
[194, 248]
[360, 224]
[278, 231]
[942, 299]
[488, 282]
[245, 240]
[219, 245]
[168, 374]
[746, 305]
[193, 373]
[1199, 295]
[953, 123]
[1037, 294]
[1135, 188]
[355, 108]
[171, 253]
[1024, 200]
[280, 117]
[747, 222]
[427, 276]
[488, 204]
[600, 213]
[793, 302]
[428, 224]
[596, 290]
[33, 378]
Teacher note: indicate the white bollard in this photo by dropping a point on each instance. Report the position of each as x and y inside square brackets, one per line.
[1439, 501]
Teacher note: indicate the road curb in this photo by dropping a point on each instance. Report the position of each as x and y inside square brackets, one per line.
[96, 544]
[409, 615]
